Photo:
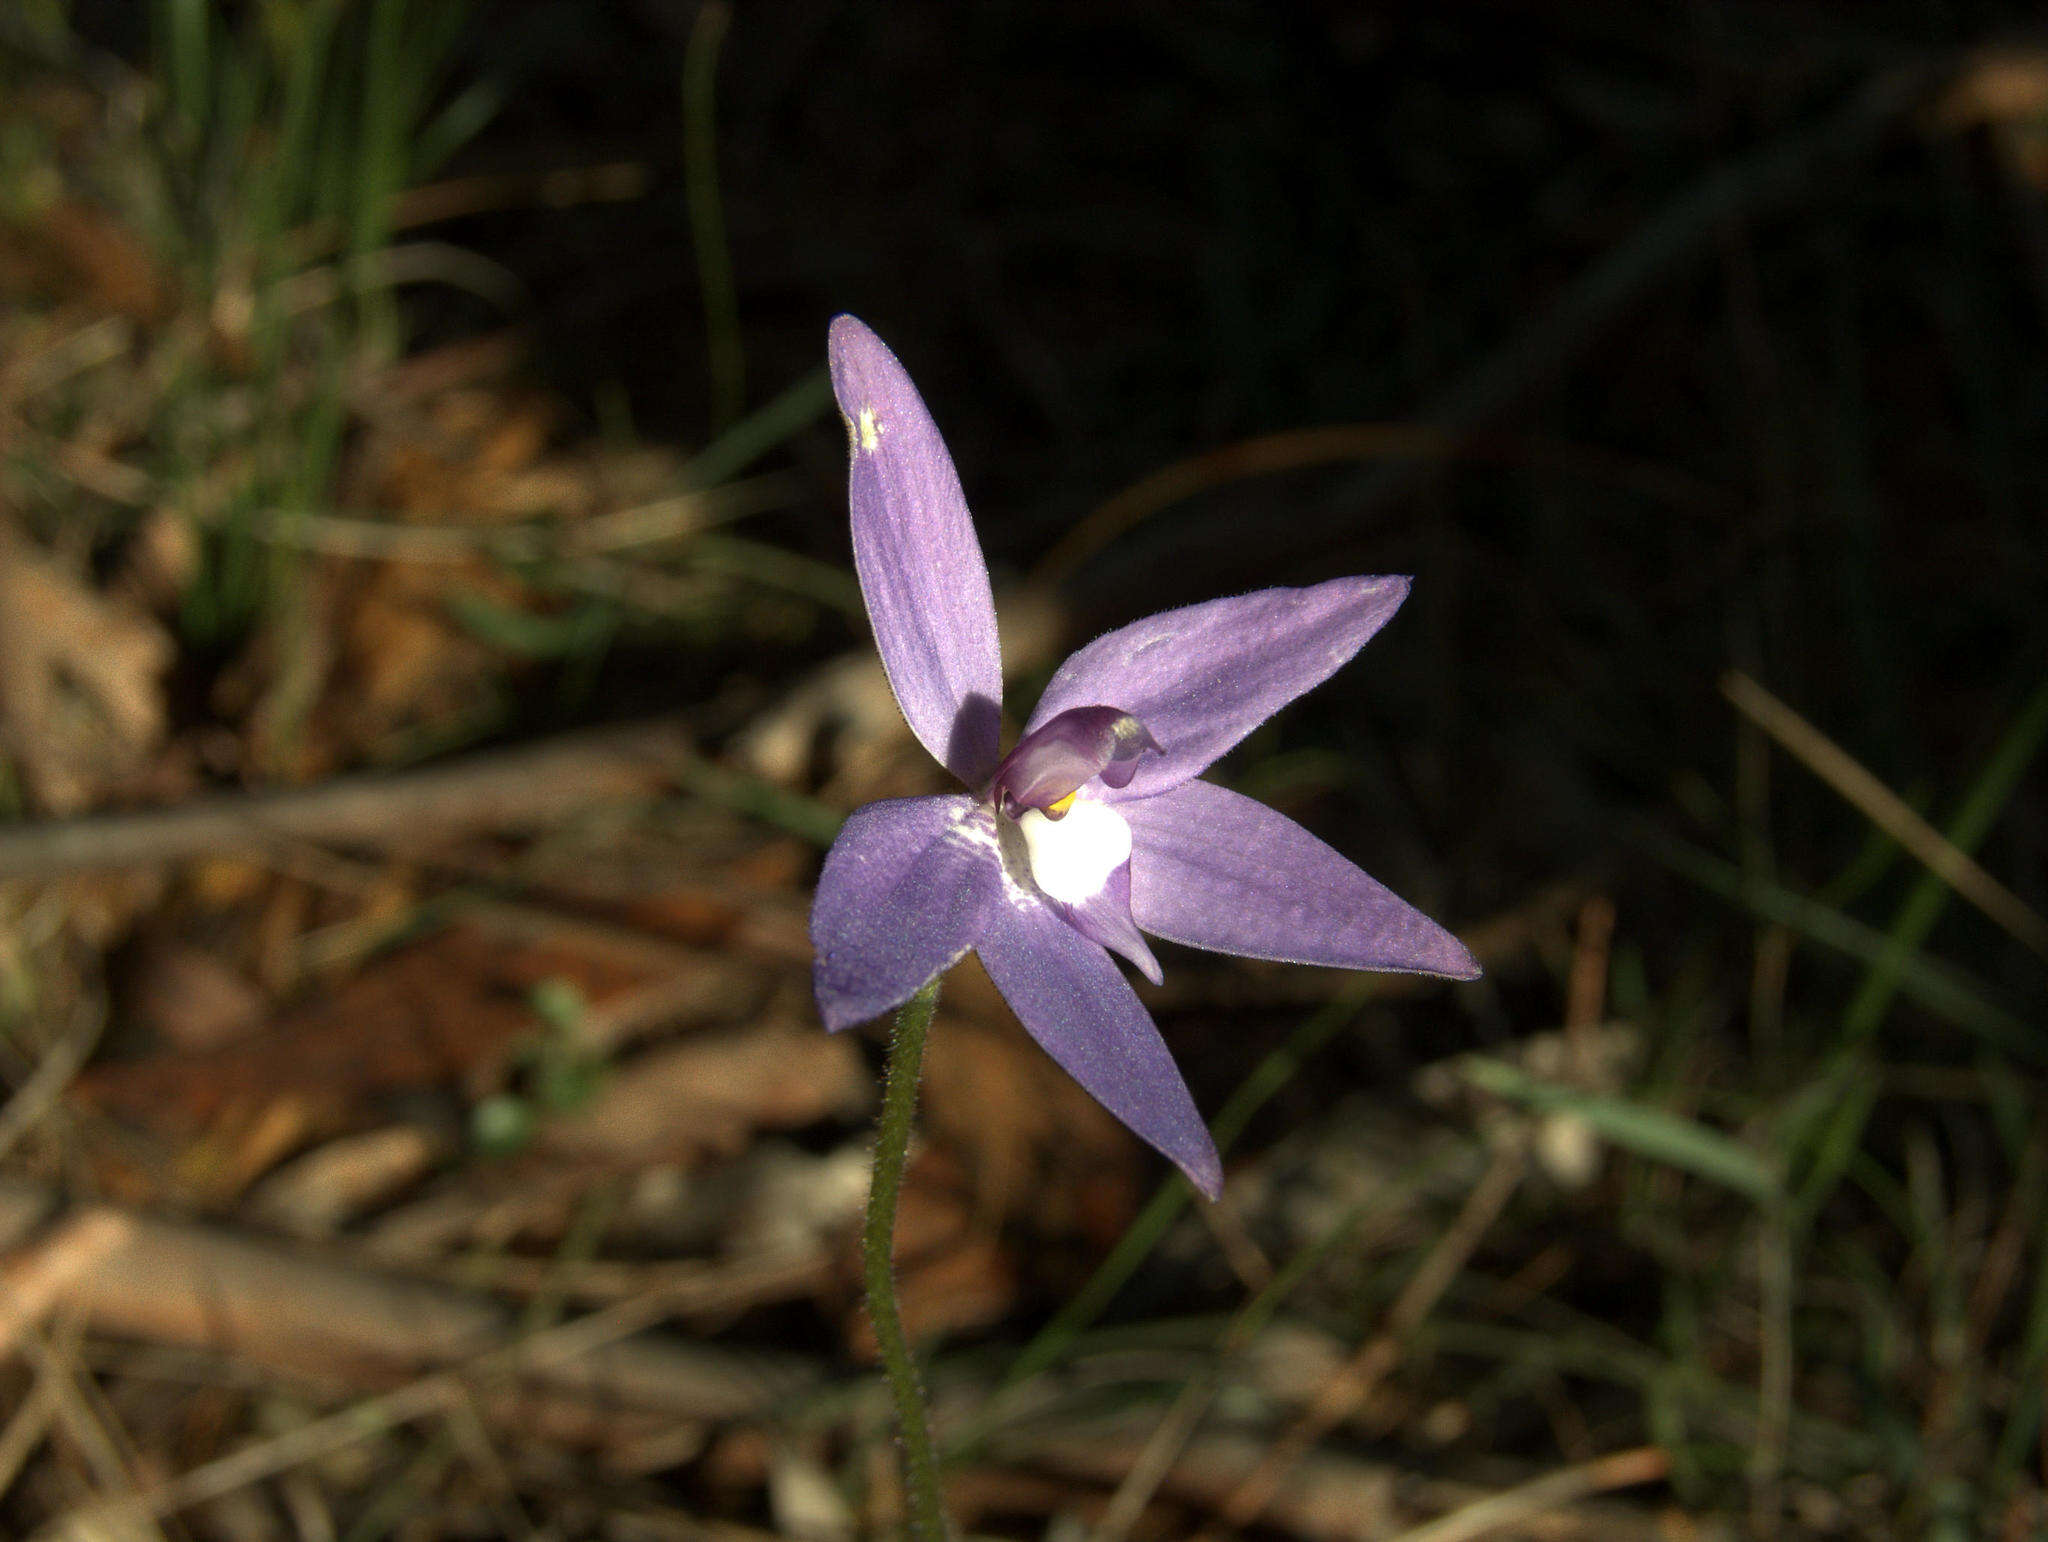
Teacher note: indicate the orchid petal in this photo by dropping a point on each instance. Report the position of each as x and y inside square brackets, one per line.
[1078, 1006]
[1202, 677]
[1061, 754]
[905, 891]
[1213, 869]
[1105, 918]
[920, 565]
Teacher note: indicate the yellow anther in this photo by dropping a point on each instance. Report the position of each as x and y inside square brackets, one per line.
[1054, 810]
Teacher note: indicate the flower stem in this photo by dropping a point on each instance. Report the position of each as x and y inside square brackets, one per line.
[892, 1142]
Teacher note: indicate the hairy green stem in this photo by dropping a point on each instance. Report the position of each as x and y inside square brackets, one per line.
[892, 1142]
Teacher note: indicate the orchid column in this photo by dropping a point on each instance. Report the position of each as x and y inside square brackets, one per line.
[1091, 831]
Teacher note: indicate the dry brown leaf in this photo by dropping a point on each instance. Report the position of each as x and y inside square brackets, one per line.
[192, 1000]
[81, 698]
[246, 1141]
[464, 456]
[315, 1195]
[74, 252]
[405, 663]
[710, 1093]
[2005, 86]
[161, 561]
[449, 1009]
[112, 266]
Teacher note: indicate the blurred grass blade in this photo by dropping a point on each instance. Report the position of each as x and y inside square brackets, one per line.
[769, 802]
[1942, 990]
[187, 43]
[1973, 821]
[727, 360]
[761, 430]
[1650, 1132]
[1885, 809]
[274, 194]
[1844, 1097]
[388, 94]
[1823, 1131]
[455, 126]
[777, 567]
[526, 635]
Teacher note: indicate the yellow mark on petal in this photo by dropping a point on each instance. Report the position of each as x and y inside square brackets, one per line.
[870, 430]
[1054, 810]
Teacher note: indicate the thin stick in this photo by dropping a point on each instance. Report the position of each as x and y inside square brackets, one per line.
[431, 1394]
[104, 1446]
[1885, 809]
[877, 1242]
[1553, 1491]
[1162, 1454]
[39, 1276]
[449, 542]
[1156, 1461]
[25, 1429]
[509, 790]
[1776, 1361]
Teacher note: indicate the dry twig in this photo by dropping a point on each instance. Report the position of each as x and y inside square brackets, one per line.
[37, 1277]
[53, 1073]
[1542, 1496]
[510, 790]
[193, 1286]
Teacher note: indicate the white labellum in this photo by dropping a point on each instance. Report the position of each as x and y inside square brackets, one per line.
[1072, 858]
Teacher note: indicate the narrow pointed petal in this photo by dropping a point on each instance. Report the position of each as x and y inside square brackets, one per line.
[1078, 1006]
[905, 891]
[920, 566]
[1213, 869]
[1202, 677]
[1105, 917]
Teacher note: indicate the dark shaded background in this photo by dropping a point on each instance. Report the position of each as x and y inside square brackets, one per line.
[1750, 338]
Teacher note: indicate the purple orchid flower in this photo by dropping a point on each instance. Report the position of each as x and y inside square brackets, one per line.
[1093, 830]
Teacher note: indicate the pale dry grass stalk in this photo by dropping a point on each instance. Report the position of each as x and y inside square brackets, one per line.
[1885, 809]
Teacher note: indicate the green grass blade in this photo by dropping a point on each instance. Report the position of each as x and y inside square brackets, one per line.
[388, 95]
[794, 410]
[283, 192]
[455, 125]
[779, 568]
[185, 41]
[1654, 1133]
[1943, 991]
[759, 798]
[1827, 1128]
[1973, 821]
[726, 357]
